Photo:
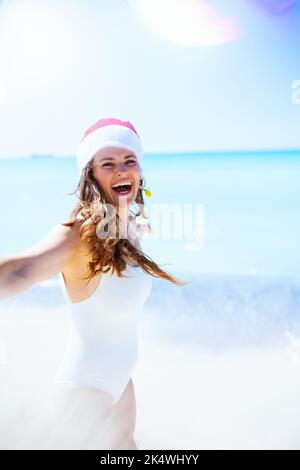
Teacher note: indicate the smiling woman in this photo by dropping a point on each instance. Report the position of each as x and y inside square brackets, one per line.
[110, 153]
[106, 280]
[105, 168]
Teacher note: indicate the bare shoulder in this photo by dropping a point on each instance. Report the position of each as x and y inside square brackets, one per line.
[52, 253]
[80, 248]
[71, 230]
[64, 235]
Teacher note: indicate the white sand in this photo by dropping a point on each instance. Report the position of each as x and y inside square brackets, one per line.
[239, 399]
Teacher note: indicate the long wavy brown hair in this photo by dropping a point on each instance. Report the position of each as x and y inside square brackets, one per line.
[95, 216]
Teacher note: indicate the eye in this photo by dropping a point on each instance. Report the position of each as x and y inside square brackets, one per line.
[132, 162]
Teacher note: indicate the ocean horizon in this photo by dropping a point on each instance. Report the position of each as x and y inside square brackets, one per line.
[200, 153]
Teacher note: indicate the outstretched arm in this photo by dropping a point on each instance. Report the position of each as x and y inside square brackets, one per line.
[44, 259]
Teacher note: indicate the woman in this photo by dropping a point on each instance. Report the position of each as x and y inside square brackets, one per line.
[105, 279]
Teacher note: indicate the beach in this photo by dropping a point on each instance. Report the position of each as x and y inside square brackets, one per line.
[202, 381]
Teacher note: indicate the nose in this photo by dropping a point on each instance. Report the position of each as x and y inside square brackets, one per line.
[121, 166]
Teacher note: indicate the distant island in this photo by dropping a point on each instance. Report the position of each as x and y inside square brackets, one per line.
[41, 155]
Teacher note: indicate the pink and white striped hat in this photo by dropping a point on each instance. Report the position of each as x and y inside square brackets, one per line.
[108, 132]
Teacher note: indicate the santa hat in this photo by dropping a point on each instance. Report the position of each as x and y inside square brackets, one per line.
[108, 132]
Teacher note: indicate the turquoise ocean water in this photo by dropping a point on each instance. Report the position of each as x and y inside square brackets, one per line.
[251, 208]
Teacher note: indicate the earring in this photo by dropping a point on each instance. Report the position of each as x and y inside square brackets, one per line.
[142, 187]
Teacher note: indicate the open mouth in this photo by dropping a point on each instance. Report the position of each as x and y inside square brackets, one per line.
[122, 189]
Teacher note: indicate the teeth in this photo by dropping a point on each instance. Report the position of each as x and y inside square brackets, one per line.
[125, 183]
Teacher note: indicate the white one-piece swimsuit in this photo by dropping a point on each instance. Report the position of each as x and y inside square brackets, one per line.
[102, 343]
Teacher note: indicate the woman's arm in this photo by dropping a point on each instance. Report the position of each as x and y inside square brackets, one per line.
[44, 259]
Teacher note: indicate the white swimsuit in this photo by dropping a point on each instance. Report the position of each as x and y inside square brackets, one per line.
[101, 350]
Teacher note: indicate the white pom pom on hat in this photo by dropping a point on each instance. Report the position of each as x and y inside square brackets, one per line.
[108, 132]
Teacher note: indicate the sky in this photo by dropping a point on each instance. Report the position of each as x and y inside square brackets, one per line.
[193, 76]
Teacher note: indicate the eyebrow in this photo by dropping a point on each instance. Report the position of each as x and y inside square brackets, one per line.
[108, 158]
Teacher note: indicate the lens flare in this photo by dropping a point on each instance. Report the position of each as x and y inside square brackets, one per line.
[187, 22]
[276, 7]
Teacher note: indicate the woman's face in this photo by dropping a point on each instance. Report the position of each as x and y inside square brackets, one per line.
[112, 166]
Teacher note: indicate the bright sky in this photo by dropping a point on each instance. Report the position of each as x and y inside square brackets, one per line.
[189, 76]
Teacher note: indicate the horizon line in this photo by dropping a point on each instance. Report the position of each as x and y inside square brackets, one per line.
[190, 152]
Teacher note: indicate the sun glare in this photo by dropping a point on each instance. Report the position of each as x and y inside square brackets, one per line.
[187, 22]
